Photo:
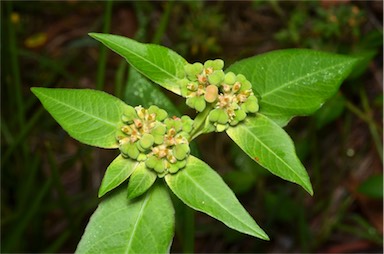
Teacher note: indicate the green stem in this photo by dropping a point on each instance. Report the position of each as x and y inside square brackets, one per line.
[119, 78]
[367, 117]
[13, 50]
[27, 128]
[189, 230]
[371, 123]
[199, 123]
[103, 50]
[163, 23]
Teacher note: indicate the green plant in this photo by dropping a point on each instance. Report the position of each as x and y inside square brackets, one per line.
[251, 101]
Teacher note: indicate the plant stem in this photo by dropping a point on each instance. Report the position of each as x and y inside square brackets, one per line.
[119, 78]
[199, 123]
[26, 129]
[189, 230]
[100, 79]
[371, 123]
[163, 23]
[368, 118]
[15, 67]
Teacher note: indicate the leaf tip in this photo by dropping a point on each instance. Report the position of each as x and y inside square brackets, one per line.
[101, 193]
[309, 189]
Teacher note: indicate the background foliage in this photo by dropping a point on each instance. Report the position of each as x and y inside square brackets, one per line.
[49, 181]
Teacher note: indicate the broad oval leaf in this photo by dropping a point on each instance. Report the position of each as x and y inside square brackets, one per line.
[141, 180]
[142, 225]
[201, 188]
[117, 172]
[140, 91]
[89, 116]
[270, 146]
[294, 82]
[160, 64]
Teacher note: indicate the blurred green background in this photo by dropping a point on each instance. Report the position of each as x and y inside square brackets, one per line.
[49, 181]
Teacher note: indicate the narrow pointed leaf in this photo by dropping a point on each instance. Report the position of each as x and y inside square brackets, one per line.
[141, 180]
[143, 225]
[89, 116]
[117, 172]
[201, 188]
[270, 146]
[294, 82]
[160, 64]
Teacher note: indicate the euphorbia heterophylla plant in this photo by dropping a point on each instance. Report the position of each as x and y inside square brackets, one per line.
[251, 101]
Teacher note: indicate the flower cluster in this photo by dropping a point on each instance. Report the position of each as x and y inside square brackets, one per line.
[149, 136]
[230, 95]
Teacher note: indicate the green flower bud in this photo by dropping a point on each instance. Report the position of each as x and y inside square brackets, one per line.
[246, 85]
[158, 139]
[251, 104]
[211, 93]
[230, 78]
[200, 104]
[221, 127]
[159, 129]
[181, 164]
[160, 166]
[208, 64]
[183, 86]
[197, 68]
[130, 150]
[153, 109]
[173, 123]
[141, 157]
[233, 122]
[146, 141]
[152, 161]
[173, 169]
[191, 102]
[214, 115]
[223, 117]
[180, 151]
[161, 175]
[188, 68]
[216, 77]
[241, 78]
[218, 64]
[161, 115]
[240, 115]
[128, 115]
[187, 123]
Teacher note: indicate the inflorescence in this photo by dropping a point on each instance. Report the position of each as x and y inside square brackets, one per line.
[230, 95]
[162, 143]
[149, 136]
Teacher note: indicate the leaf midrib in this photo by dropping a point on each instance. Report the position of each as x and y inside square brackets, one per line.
[298, 79]
[278, 157]
[80, 111]
[139, 216]
[217, 202]
[142, 58]
[122, 171]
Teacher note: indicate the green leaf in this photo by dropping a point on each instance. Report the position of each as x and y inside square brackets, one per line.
[143, 225]
[372, 187]
[117, 172]
[330, 111]
[294, 82]
[201, 188]
[89, 116]
[141, 180]
[160, 64]
[270, 146]
[140, 91]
